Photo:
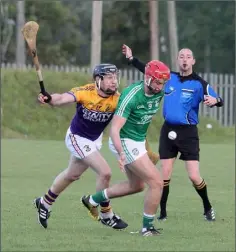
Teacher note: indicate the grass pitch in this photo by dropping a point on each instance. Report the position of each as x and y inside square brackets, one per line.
[29, 167]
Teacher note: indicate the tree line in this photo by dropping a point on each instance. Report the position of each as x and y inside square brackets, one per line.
[64, 37]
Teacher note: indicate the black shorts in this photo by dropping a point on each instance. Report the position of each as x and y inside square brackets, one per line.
[186, 142]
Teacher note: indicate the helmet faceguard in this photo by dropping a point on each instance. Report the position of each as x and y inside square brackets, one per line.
[156, 71]
[102, 71]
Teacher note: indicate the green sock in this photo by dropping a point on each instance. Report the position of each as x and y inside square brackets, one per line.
[99, 197]
[148, 220]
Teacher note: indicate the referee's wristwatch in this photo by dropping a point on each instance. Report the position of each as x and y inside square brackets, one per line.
[218, 100]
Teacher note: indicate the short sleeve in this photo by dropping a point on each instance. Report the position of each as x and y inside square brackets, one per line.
[206, 89]
[125, 105]
[210, 91]
[76, 92]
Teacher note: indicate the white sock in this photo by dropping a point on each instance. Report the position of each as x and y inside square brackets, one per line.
[144, 229]
[107, 215]
[105, 194]
[149, 218]
[92, 202]
[149, 215]
[45, 203]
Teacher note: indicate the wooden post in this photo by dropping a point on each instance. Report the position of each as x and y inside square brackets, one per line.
[96, 34]
[154, 29]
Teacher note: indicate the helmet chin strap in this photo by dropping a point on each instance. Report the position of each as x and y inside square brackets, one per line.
[148, 83]
[108, 91]
[154, 91]
[99, 83]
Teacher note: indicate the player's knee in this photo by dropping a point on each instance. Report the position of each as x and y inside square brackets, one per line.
[156, 183]
[105, 175]
[195, 178]
[165, 166]
[71, 176]
[140, 188]
[160, 183]
[166, 170]
[75, 177]
[137, 187]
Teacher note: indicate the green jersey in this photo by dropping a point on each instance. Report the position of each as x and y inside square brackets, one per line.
[138, 108]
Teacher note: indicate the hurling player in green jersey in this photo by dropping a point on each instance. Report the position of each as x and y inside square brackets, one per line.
[137, 105]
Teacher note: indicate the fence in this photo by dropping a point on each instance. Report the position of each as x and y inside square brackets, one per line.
[224, 85]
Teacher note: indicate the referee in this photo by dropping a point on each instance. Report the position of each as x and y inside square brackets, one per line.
[183, 94]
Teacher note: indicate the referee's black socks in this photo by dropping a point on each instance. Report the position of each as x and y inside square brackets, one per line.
[202, 191]
[164, 197]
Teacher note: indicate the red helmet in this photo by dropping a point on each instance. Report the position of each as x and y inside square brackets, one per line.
[156, 69]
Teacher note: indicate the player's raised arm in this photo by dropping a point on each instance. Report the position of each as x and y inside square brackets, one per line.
[132, 60]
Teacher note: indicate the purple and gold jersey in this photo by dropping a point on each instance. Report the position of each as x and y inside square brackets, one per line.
[93, 112]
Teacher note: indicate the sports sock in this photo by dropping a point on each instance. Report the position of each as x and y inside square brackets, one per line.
[202, 191]
[148, 220]
[48, 199]
[164, 197]
[98, 197]
[106, 210]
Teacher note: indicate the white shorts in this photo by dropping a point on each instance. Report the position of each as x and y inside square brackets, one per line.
[81, 147]
[133, 149]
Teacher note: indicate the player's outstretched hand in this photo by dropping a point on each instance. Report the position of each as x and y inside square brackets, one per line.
[127, 51]
[46, 98]
[122, 161]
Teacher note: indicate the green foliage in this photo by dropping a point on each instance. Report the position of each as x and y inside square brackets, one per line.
[65, 31]
[24, 117]
[208, 23]
[58, 36]
[199, 27]
[129, 27]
